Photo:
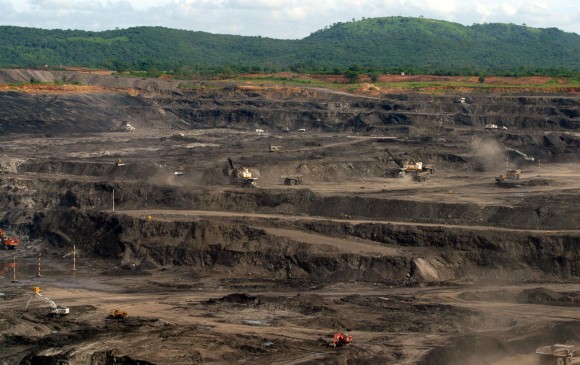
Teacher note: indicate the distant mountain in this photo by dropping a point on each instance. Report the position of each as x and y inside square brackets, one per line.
[418, 44]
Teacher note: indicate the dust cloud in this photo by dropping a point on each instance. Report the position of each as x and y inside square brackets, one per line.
[528, 359]
[489, 155]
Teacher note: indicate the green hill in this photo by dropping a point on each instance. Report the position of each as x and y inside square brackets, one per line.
[383, 44]
[438, 44]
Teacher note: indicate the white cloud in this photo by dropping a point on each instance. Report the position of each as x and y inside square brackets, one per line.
[482, 9]
[66, 5]
[509, 9]
[436, 6]
[298, 13]
[258, 4]
[534, 8]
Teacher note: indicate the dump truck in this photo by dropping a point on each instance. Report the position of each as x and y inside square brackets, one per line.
[510, 174]
[273, 148]
[558, 354]
[293, 179]
[240, 175]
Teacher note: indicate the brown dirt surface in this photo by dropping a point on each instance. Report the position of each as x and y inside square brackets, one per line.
[55, 89]
[456, 269]
[88, 70]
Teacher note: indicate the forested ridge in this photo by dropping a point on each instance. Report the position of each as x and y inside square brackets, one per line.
[389, 44]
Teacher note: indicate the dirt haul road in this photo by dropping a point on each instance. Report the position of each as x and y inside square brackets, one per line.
[453, 270]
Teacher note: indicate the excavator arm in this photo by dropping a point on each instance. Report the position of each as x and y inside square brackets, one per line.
[50, 302]
[55, 310]
[398, 161]
[29, 300]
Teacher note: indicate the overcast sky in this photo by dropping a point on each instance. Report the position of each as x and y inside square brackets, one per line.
[288, 19]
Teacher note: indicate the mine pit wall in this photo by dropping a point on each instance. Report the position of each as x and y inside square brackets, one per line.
[65, 211]
[463, 250]
[160, 103]
[233, 249]
[25, 194]
[141, 170]
[225, 248]
[359, 115]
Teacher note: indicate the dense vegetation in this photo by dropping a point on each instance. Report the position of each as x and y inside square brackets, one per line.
[386, 45]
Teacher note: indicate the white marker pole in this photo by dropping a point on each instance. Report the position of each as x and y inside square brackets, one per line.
[74, 258]
[39, 275]
[14, 270]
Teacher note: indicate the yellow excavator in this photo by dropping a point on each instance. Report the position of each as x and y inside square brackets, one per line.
[56, 310]
[420, 172]
[239, 175]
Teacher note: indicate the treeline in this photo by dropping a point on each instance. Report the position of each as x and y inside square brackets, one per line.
[370, 46]
[353, 73]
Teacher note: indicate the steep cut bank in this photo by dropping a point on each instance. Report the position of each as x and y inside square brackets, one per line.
[28, 195]
[229, 248]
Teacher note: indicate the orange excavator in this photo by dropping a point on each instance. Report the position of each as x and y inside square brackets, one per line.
[118, 314]
[341, 339]
[8, 243]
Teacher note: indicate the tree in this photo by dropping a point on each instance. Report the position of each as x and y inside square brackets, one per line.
[352, 76]
[481, 79]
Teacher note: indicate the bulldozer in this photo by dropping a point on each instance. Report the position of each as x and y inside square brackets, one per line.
[419, 171]
[239, 175]
[8, 243]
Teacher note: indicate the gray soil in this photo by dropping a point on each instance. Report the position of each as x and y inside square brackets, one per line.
[453, 270]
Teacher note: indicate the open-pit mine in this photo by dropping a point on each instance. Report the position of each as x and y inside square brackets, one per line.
[217, 223]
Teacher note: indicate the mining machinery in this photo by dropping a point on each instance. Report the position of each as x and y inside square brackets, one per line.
[419, 171]
[8, 243]
[118, 314]
[510, 174]
[293, 179]
[56, 310]
[240, 175]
